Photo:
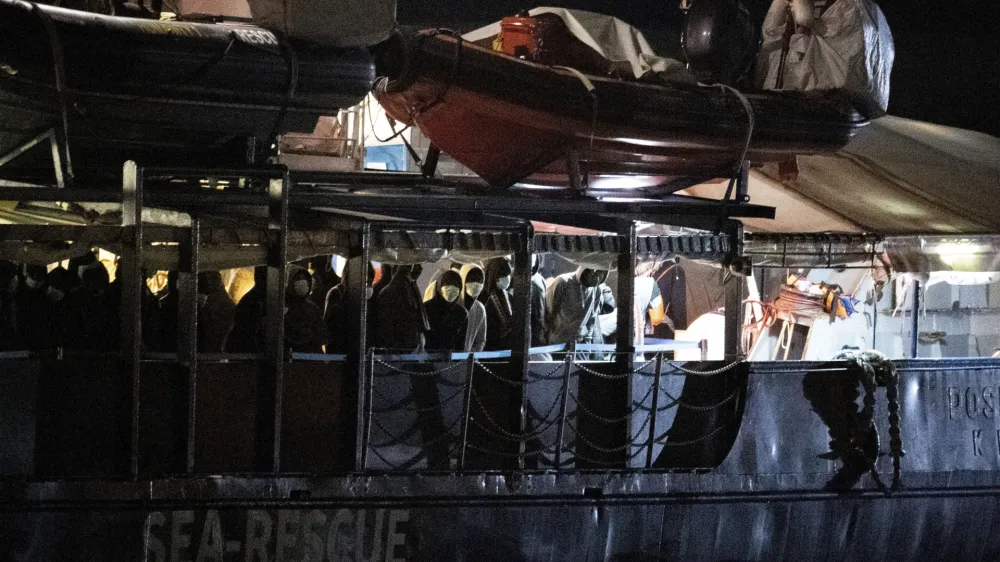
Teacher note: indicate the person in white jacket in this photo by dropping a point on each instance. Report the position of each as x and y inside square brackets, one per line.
[473, 280]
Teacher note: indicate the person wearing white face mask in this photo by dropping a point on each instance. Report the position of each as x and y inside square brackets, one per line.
[446, 315]
[305, 331]
[474, 279]
[496, 298]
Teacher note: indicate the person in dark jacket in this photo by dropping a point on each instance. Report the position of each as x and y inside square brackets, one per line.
[447, 317]
[33, 311]
[9, 282]
[248, 333]
[382, 281]
[324, 279]
[167, 313]
[496, 298]
[401, 320]
[335, 313]
[215, 312]
[305, 331]
[92, 321]
[59, 286]
[77, 265]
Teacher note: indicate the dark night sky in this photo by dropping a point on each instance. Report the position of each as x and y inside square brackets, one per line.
[947, 67]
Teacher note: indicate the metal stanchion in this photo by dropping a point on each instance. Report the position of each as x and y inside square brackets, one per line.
[361, 452]
[468, 410]
[570, 357]
[653, 407]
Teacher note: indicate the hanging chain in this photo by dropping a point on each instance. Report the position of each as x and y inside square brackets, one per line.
[401, 407]
[395, 369]
[678, 367]
[600, 375]
[689, 406]
[524, 436]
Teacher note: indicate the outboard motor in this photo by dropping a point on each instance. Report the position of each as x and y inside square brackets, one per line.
[720, 40]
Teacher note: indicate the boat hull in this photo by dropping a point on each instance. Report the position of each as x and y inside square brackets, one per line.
[508, 119]
[769, 499]
[161, 92]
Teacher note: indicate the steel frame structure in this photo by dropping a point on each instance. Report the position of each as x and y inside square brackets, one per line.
[359, 212]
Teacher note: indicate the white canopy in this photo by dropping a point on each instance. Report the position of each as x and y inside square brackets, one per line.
[898, 176]
[611, 37]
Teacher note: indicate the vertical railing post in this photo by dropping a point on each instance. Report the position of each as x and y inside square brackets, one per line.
[654, 405]
[521, 334]
[356, 389]
[271, 399]
[187, 329]
[130, 339]
[735, 294]
[561, 432]
[365, 418]
[915, 320]
[467, 412]
[625, 299]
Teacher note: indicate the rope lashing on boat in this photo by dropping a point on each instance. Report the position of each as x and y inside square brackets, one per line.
[592, 93]
[292, 59]
[872, 369]
[380, 85]
[59, 69]
[751, 124]
[456, 64]
[179, 81]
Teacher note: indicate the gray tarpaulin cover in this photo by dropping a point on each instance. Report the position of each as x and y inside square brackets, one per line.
[330, 23]
[612, 38]
[848, 46]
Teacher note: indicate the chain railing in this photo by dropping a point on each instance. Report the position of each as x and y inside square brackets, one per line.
[419, 423]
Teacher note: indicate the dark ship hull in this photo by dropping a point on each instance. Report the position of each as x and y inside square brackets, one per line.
[510, 120]
[769, 489]
[158, 92]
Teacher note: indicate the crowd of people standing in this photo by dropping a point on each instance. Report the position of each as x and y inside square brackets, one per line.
[467, 307]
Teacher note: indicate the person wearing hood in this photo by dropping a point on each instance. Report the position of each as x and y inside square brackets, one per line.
[77, 265]
[248, 332]
[496, 299]
[324, 279]
[9, 282]
[215, 312]
[574, 302]
[92, 322]
[305, 331]
[34, 320]
[473, 281]
[167, 314]
[401, 320]
[539, 323]
[432, 287]
[382, 281]
[335, 313]
[446, 315]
